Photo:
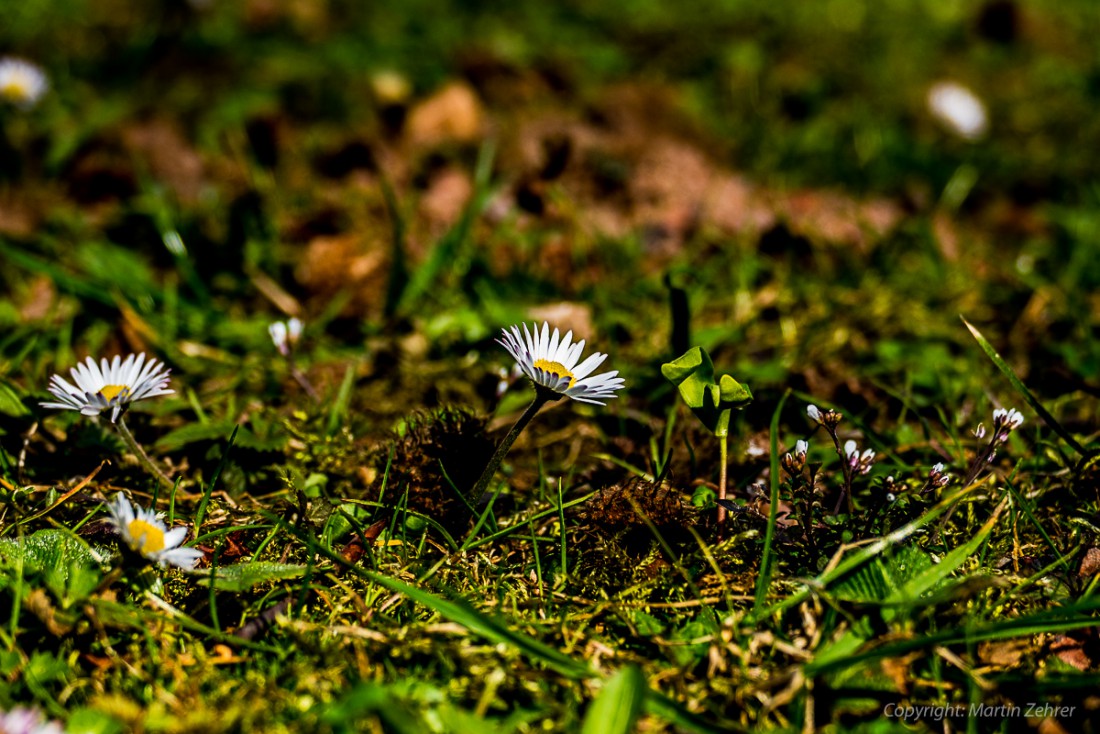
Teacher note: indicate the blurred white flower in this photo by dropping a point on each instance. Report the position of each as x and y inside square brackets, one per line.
[551, 362]
[109, 385]
[813, 413]
[21, 82]
[285, 335]
[958, 109]
[800, 448]
[146, 534]
[27, 721]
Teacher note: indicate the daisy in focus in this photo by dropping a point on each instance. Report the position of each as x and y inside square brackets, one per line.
[146, 534]
[27, 721]
[109, 386]
[550, 360]
[21, 82]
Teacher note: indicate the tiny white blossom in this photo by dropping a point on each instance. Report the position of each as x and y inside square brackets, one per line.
[813, 412]
[146, 534]
[958, 109]
[550, 360]
[1011, 419]
[850, 448]
[801, 447]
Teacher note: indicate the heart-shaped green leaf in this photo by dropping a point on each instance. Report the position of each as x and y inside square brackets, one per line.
[693, 375]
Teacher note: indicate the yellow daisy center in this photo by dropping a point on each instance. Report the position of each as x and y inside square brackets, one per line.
[557, 369]
[15, 89]
[145, 537]
[110, 392]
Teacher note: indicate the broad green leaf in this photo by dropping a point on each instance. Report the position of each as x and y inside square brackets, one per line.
[243, 576]
[59, 560]
[693, 375]
[617, 708]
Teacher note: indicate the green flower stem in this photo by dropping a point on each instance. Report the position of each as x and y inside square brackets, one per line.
[143, 457]
[723, 454]
[542, 396]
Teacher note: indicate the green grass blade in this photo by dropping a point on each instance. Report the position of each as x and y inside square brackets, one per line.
[617, 708]
[764, 578]
[200, 513]
[340, 405]
[463, 614]
[1019, 386]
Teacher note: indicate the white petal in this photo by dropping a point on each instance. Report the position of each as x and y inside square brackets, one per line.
[174, 537]
[586, 367]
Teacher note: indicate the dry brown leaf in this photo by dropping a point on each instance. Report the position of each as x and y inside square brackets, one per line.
[452, 114]
[448, 193]
[1004, 653]
[345, 263]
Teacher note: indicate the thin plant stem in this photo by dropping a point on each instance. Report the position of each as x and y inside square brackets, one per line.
[723, 457]
[143, 457]
[481, 489]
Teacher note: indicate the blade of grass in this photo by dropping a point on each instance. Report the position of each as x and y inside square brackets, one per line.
[200, 513]
[1020, 388]
[446, 251]
[764, 579]
[343, 399]
[617, 708]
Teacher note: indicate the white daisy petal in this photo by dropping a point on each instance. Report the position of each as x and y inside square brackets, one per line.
[109, 386]
[550, 361]
[586, 367]
[185, 558]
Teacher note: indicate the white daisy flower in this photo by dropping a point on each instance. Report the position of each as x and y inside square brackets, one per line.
[109, 385]
[551, 362]
[958, 109]
[146, 534]
[21, 82]
[27, 721]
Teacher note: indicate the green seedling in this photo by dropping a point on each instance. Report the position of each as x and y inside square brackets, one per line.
[711, 401]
